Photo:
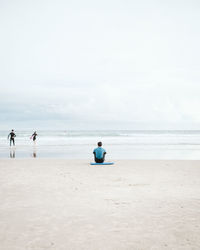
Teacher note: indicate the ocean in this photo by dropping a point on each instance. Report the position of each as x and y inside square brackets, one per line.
[119, 144]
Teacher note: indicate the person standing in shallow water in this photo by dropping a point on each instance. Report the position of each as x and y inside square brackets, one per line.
[34, 135]
[12, 136]
[99, 153]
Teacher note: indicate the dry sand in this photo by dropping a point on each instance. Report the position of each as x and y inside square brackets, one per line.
[68, 204]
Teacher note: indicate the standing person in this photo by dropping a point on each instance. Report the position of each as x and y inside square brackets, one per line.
[12, 136]
[99, 153]
[34, 136]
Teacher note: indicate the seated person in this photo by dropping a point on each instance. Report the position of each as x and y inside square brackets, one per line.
[99, 153]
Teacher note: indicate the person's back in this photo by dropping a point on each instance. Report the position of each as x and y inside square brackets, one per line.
[99, 153]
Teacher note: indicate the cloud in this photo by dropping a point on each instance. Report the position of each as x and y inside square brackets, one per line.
[114, 62]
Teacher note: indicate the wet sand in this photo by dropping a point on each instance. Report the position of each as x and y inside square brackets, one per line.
[68, 204]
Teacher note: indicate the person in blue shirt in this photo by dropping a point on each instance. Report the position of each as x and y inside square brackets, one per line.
[99, 153]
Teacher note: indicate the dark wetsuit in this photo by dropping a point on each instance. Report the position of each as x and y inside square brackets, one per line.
[12, 138]
[34, 136]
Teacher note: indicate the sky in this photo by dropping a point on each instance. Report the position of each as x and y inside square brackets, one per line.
[100, 64]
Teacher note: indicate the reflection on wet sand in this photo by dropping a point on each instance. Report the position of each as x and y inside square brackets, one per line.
[34, 152]
[12, 153]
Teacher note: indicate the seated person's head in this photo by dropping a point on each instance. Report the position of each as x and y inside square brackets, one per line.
[99, 144]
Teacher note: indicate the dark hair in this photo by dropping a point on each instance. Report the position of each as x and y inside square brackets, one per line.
[99, 143]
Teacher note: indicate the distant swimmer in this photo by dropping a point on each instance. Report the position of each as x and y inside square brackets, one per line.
[99, 153]
[12, 136]
[34, 135]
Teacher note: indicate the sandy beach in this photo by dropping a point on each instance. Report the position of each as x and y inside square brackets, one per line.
[68, 204]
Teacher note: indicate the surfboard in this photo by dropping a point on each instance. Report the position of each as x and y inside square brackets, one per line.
[104, 163]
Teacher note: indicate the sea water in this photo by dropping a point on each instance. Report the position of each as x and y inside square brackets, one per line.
[119, 144]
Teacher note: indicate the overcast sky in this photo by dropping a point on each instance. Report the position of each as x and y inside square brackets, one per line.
[99, 64]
